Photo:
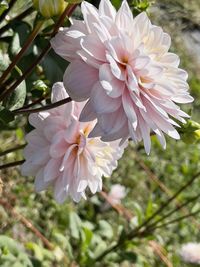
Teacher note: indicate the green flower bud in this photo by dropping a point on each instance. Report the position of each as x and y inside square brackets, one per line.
[50, 8]
[191, 132]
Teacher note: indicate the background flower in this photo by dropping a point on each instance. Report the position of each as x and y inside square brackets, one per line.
[122, 66]
[190, 253]
[59, 152]
[117, 192]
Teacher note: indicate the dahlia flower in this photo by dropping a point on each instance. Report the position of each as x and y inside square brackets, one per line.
[122, 66]
[117, 193]
[190, 253]
[60, 154]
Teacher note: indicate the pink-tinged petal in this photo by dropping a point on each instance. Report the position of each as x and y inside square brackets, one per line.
[118, 72]
[58, 92]
[182, 98]
[90, 14]
[161, 138]
[132, 82]
[87, 113]
[124, 17]
[114, 87]
[40, 184]
[72, 132]
[60, 189]
[70, 36]
[129, 109]
[34, 138]
[109, 124]
[36, 119]
[107, 9]
[69, 158]
[40, 157]
[94, 48]
[59, 146]
[28, 168]
[91, 61]
[145, 132]
[142, 23]
[101, 102]
[51, 170]
[79, 79]
[170, 59]
[54, 124]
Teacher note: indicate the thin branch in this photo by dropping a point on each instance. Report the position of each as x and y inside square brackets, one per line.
[19, 17]
[5, 152]
[50, 106]
[3, 15]
[132, 233]
[37, 101]
[162, 186]
[68, 11]
[11, 164]
[27, 223]
[174, 210]
[136, 232]
[172, 221]
[21, 52]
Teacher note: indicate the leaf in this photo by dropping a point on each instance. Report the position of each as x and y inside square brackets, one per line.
[6, 116]
[105, 229]
[3, 6]
[128, 256]
[74, 224]
[17, 98]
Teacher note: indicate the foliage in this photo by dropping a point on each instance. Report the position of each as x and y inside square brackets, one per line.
[79, 234]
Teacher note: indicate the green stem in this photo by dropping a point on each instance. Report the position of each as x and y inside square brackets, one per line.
[22, 51]
[3, 15]
[136, 232]
[174, 210]
[17, 18]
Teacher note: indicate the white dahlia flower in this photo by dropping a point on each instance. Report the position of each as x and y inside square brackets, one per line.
[190, 253]
[60, 154]
[122, 66]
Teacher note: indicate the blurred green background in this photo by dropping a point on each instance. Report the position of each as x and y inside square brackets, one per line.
[81, 231]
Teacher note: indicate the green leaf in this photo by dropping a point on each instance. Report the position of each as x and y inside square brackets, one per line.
[17, 98]
[75, 225]
[105, 229]
[6, 116]
[3, 6]
[128, 256]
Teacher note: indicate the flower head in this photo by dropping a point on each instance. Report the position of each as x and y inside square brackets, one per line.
[50, 8]
[122, 66]
[190, 253]
[60, 154]
[117, 193]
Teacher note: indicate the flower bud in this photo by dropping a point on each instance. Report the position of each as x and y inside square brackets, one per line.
[50, 8]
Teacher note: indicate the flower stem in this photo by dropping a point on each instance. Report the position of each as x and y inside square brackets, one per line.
[68, 11]
[136, 232]
[22, 51]
[50, 106]
[3, 15]
[17, 18]
[5, 152]
[11, 164]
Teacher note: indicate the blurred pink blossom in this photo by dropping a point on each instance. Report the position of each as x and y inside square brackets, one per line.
[190, 253]
[122, 66]
[117, 193]
[60, 154]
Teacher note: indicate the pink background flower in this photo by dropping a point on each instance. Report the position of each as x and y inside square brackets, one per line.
[60, 154]
[122, 66]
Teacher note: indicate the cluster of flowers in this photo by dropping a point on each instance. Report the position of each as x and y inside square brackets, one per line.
[125, 84]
